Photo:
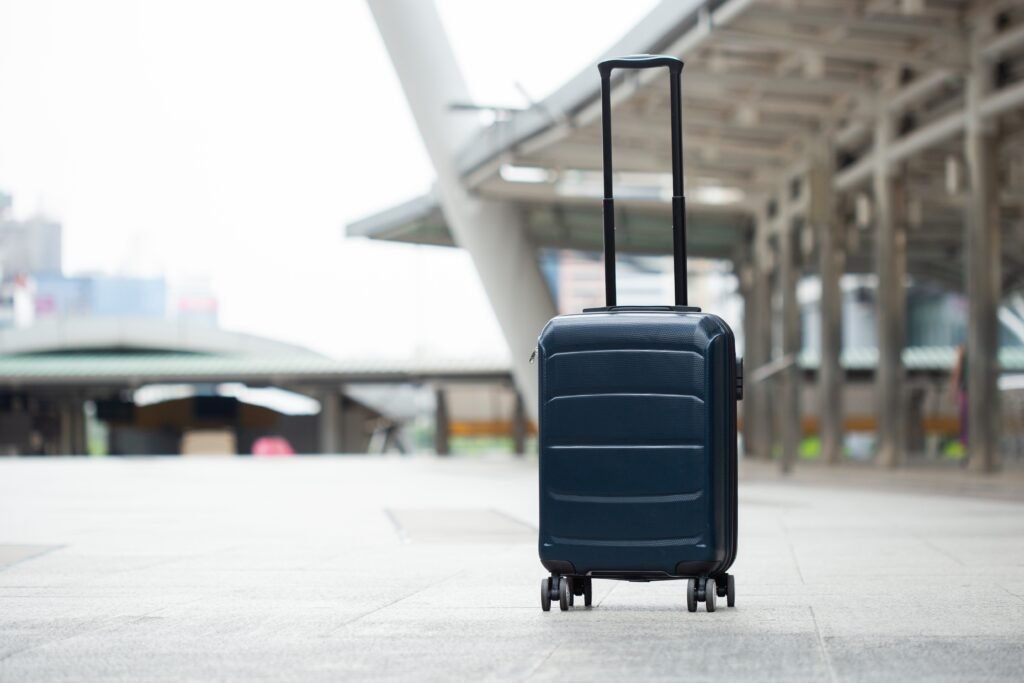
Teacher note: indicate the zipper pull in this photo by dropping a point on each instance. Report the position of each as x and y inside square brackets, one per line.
[533, 356]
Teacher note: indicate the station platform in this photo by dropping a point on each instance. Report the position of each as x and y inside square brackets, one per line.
[392, 569]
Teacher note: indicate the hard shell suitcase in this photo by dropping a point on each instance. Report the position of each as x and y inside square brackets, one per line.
[638, 424]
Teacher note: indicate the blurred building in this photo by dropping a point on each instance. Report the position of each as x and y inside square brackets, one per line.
[30, 246]
[137, 366]
[131, 386]
[34, 287]
[576, 279]
[194, 300]
[58, 296]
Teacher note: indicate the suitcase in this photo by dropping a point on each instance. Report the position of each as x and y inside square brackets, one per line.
[638, 424]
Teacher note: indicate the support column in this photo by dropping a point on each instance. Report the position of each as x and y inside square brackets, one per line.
[71, 438]
[519, 425]
[67, 428]
[490, 230]
[890, 301]
[79, 440]
[984, 275]
[748, 406]
[791, 377]
[758, 346]
[824, 220]
[342, 432]
[330, 412]
[442, 430]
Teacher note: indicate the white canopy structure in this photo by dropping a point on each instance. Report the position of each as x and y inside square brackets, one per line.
[884, 136]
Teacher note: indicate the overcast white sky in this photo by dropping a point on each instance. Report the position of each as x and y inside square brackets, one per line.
[232, 139]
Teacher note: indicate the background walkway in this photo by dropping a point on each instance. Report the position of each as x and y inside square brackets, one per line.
[425, 569]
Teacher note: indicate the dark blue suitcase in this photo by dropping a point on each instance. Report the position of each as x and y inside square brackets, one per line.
[638, 425]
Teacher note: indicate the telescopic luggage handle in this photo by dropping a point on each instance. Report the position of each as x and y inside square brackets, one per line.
[675, 68]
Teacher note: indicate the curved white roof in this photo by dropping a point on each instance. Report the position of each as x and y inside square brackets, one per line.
[90, 334]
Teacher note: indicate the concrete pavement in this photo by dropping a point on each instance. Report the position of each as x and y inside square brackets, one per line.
[423, 569]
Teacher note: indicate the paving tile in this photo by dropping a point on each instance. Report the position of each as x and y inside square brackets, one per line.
[955, 658]
[390, 569]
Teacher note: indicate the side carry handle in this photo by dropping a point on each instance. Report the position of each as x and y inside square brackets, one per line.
[675, 67]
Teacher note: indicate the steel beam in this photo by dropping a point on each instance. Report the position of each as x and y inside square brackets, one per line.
[910, 94]
[699, 80]
[825, 222]
[984, 285]
[854, 19]
[849, 48]
[580, 154]
[937, 131]
[1002, 43]
[890, 306]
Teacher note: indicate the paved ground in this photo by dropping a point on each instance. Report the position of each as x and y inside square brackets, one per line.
[419, 569]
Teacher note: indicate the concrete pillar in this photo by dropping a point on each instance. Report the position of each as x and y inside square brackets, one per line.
[890, 300]
[491, 231]
[442, 430]
[824, 219]
[789, 274]
[984, 275]
[330, 421]
[79, 440]
[519, 425]
[65, 444]
[71, 439]
[758, 343]
[748, 406]
[344, 445]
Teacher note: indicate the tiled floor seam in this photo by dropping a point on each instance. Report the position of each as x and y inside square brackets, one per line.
[823, 647]
[537, 667]
[390, 604]
[110, 622]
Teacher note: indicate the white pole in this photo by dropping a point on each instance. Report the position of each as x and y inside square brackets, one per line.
[491, 231]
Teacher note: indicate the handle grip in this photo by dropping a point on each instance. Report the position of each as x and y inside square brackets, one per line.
[640, 62]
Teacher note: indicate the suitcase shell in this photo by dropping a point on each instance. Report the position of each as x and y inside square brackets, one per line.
[638, 444]
[638, 421]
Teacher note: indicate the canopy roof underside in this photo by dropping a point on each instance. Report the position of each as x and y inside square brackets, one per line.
[769, 86]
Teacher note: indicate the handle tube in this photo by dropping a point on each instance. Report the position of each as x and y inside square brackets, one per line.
[675, 67]
[608, 203]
